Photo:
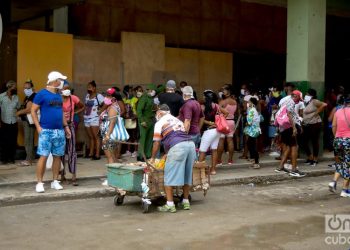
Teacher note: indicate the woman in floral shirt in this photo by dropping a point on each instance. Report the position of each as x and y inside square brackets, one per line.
[252, 130]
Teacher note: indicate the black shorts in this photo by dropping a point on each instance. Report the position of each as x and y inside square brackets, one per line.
[287, 137]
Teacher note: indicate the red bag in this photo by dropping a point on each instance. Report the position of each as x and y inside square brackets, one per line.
[221, 123]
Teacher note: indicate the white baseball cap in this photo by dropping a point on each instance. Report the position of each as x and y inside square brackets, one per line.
[54, 75]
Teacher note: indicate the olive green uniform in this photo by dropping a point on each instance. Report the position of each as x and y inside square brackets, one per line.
[146, 113]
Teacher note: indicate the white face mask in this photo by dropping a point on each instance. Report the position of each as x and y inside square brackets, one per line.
[28, 92]
[248, 106]
[66, 92]
[61, 85]
[152, 93]
[220, 94]
[138, 94]
[242, 91]
[307, 98]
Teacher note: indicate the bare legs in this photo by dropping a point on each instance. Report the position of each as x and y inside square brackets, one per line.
[94, 141]
[214, 159]
[40, 170]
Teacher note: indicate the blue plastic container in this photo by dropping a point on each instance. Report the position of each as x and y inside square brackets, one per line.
[125, 177]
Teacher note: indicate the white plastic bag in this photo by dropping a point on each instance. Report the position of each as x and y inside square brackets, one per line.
[49, 162]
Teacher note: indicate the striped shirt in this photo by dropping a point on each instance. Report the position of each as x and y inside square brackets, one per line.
[9, 108]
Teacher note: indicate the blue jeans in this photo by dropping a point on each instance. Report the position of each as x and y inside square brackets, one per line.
[179, 164]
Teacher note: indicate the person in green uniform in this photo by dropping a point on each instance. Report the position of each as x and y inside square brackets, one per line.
[145, 115]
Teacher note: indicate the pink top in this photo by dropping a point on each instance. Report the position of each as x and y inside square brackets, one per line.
[231, 109]
[67, 109]
[343, 126]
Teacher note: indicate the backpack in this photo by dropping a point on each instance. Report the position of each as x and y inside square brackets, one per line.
[282, 119]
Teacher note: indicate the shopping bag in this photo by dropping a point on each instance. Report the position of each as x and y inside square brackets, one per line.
[49, 163]
[119, 132]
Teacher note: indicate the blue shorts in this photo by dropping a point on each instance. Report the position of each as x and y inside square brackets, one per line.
[179, 164]
[51, 141]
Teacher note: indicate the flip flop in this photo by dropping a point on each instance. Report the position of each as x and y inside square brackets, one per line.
[75, 183]
[213, 172]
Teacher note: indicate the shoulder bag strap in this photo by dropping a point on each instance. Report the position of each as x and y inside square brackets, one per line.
[71, 109]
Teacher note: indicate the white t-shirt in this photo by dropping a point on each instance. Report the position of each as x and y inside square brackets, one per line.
[92, 105]
[297, 107]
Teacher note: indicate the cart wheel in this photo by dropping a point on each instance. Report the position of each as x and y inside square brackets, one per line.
[118, 200]
[145, 207]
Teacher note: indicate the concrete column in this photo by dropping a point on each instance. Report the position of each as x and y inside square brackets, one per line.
[60, 20]
[306, 35]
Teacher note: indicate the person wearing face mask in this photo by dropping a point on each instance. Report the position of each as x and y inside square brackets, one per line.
[93, 102]
[71, 106]
[253, 131]
[130, 101]
[289, 135]
[145, 115]
[230, 105]
[170, 98]
[312, 124]
[52, 128]
[108, 121]
[181, 155]
[28, 126]
[9, 104]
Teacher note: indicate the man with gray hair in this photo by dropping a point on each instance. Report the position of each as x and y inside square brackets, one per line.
[181, 155]
[170, 98]
[191, 115]
[9, 105]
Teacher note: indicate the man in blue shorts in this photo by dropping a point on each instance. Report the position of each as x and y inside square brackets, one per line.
[52, 128]
[181, 154]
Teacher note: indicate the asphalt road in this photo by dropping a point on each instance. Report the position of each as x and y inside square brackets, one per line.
[288, 215]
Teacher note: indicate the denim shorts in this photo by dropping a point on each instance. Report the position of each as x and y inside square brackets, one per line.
[51, 141]
[179, 164]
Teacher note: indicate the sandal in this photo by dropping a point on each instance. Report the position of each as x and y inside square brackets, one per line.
[212, 172]
[75, 182]
[243, 157]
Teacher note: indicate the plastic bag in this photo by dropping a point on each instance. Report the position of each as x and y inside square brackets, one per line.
[49, 163]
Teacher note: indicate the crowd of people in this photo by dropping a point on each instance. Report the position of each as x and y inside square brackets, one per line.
[163, 119]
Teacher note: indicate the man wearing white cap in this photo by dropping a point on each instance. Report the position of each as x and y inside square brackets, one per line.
[191, 115]
[170, 98]
[52, 128]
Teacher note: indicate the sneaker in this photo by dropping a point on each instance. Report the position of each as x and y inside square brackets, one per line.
[345, 193]
[167, 208]
[134, 154]
[297, 173]
[105, 183]
[274, 154]
[287, 166]
[332, 186]
[39, 188]
[230, 163]
[127, 154]
[56, 185]
[281, 170]
[256, 166]
[313, 163]
[185, 205]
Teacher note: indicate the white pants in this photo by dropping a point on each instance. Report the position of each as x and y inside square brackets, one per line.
[210, 139]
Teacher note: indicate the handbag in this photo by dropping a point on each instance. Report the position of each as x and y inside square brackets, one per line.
[221, 123]
[130, 123]
[119, 132]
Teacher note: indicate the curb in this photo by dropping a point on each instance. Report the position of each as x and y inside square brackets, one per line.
[100, 192]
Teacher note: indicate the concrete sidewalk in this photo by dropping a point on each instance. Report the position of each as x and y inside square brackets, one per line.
[17, 183]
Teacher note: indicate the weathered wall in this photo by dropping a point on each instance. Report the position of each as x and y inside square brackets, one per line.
[99, 61]
[199, 24]
[143, 55]
[200, 69]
